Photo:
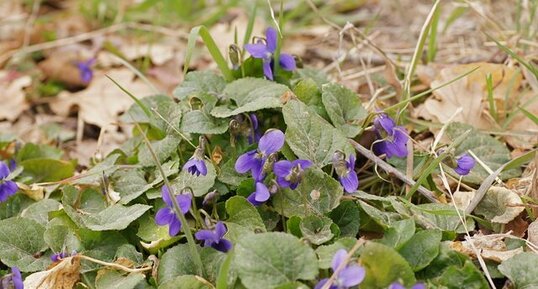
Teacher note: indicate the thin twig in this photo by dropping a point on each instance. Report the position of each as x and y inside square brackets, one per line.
[172, 127]
[391, 170]
[89, 35]
[115, 265]
[464, 223]
[30, 23]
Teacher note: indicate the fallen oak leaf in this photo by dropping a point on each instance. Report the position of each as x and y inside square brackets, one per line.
[13, 97]
[102, 101]
[470, 93]
[63, 67]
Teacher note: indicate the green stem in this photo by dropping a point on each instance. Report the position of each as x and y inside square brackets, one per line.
[177, 210]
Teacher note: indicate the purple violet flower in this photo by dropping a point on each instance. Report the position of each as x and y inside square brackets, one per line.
[254, 160]
[167, 216]
[256, 134]
[61, 255]
[265, 52]
[465, 163]
[14, 280]
[7, 187]
[195, 166]
[289, 174]
[397, 285]
[345, 169]
[12, 164]
[215, 238]
[58, 256]
[351, 275]
[85, 70]
[260, 195]
[394, 138]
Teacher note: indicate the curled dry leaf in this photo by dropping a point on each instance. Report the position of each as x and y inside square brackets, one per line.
[102, 101]
[35, 192]
[532, 233]
[12, 95]
[64, 275]
[499, 205]
[470, 93]
[491, 247]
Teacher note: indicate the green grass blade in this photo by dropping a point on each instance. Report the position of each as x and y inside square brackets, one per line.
[432, 42]
[203, 32]
[530, 115]
[519, 161]
[491, 100]
[514, 55]
[403, 103]
[250, 25]
[454, 15]
[417, 55]
[144, 108]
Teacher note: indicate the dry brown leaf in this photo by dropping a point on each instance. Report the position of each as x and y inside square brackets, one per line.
[532, 233]
[102, 101]
[64, 275]
[12, 16]
[470, 94]
[463, 199]
[491, 247]
[526, 131]
[62, 67]
[159, 53]
[33, 191]
[168, 75]
[499, 204]
[517, 227]
[12, 95]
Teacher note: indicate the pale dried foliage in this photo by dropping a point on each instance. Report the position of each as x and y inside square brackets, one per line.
[63, 275]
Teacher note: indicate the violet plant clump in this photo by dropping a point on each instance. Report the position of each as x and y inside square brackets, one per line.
[276, 205]
[350, 275]
[265, 52]
[167, 216]
[7, 187]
